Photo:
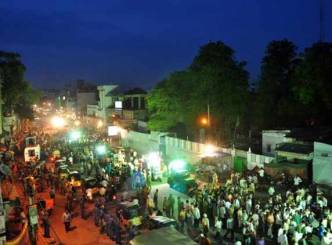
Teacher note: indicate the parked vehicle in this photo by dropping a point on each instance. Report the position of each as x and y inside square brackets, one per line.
[129, 212]
[156, 222]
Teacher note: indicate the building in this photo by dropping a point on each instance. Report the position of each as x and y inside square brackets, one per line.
[133, 105]
[106, 100]
[83, 99]
[270, 139]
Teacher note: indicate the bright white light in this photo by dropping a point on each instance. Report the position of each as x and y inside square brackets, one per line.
[118, 104]
[153, 160]
[75, 135]
[58, 122]
[100, 124]
[77, 123]
[177, 165]
[101, 149]
[113, 130]
[209, 151]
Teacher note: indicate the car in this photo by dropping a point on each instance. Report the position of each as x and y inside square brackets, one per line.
[156, 222]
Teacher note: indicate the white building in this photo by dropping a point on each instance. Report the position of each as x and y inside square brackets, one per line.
[106, 100]
[270, 139]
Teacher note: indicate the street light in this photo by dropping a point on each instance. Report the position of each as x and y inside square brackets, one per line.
[204, 121]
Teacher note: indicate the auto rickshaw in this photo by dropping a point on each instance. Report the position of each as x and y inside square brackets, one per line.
[129, 213]
[74, 177]
[91, 186]
[63, 171]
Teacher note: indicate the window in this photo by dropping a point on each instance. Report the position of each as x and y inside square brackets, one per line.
[32, 153]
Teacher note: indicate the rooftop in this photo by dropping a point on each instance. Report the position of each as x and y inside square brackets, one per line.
[296, 148]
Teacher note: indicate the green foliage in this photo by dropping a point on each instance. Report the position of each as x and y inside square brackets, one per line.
[314, 83]
[275, 84]
[213, 78]
[17, 94]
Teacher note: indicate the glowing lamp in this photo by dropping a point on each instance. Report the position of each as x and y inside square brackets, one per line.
[101, 149]
[75, 135]
[204, 121]
[57, 122]
[209, 150]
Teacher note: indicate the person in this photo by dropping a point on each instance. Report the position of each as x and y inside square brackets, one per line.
[46, 223]
[217, 226]
[82, 206]
[205, 224]
[204, 240]
[182, 218]
[165, 207]
[230, 227]
[197, 216]
[297, 181]
[271, 190]
[155, 199]
[171, 203]
[67, 220]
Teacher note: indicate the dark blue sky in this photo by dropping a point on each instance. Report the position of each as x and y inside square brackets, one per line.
[141, 41]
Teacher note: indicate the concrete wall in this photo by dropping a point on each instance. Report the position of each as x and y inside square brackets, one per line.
[188, 150]
[322, 163]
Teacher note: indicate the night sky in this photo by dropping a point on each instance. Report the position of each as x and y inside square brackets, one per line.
[139, 42]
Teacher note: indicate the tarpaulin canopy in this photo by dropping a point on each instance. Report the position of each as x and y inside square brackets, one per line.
[162, 236]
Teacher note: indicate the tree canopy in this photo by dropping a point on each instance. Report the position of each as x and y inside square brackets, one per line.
[293, 90]
[17, 94]
[214, 78]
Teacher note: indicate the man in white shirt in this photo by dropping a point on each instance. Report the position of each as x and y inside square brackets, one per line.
[197, 216]
[271, 190]
[297, 180]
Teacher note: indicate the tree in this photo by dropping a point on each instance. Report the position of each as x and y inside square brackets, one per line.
[17, 94]
[213, 78]
[275, 85]
[313, 86]
[223, 83]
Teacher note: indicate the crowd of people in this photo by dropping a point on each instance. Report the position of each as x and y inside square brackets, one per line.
[237, 212]
[242, 209]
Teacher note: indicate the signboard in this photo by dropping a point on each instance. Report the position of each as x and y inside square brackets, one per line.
[33, 215]
[118, 104]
